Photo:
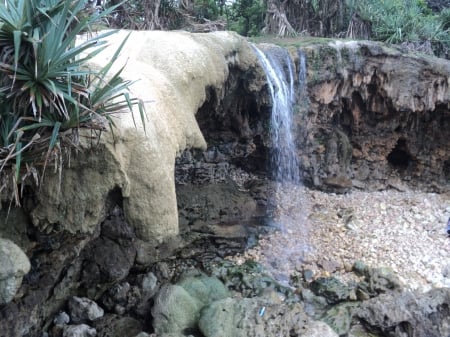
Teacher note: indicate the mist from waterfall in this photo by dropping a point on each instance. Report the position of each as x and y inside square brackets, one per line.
[279, 70]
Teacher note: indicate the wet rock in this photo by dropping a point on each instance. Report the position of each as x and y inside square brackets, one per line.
[250, 317]
[112, 325]
[82, 309]
[81, 330]
[107, 261]
[331, 288]
[339, 317]
[175, 310]
[407, 314]
[14, 265]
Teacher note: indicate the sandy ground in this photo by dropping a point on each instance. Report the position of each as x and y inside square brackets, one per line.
[327, 233]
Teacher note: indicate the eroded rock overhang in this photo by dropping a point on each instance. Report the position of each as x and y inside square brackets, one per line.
[172, 71]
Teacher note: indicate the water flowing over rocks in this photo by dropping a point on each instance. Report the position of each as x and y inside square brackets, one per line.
[180, 230]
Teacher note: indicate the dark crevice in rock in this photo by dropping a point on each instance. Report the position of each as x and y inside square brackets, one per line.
[446, 169]
[400, 157]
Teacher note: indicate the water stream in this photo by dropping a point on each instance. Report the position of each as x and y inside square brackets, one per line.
[279, 69]
[289, 247]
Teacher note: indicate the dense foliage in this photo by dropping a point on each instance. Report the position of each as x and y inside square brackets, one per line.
[418, 24]
[405, 21]
[46, 90]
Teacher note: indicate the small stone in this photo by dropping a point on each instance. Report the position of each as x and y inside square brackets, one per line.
[359, 268]
[83, 309]
[81, 330]
[308, 275]
[61, 318]
[348, 267]
[149, 284]
[362, 295]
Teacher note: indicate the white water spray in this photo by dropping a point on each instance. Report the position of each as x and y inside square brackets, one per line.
[279, 70]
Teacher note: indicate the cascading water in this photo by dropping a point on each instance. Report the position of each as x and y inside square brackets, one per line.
[279, 70]
[290, 245]
[302, 76]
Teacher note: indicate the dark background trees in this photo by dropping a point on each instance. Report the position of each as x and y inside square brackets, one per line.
[423, 25]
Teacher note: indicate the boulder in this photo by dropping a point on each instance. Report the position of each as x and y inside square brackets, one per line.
[204, 288]
[175, 310]
[251, 317]
[408, 314]
[14, 265]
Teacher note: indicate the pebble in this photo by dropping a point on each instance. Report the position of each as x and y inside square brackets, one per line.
[400, 230]
[83, 309]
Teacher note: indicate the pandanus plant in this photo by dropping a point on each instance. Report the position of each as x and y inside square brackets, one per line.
[47, 91]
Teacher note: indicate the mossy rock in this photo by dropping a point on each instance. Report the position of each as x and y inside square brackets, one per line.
[203, 288]
[332, 289]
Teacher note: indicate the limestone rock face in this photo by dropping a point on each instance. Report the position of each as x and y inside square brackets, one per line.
[374, 117]
[14, 265]
[172, 71]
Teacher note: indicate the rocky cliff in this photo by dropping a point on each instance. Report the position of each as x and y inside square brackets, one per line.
[367, 116]
[377, 118]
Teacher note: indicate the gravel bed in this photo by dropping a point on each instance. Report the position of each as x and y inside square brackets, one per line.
[326, 233]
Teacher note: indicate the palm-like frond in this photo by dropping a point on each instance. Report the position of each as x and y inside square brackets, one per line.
[45, 86]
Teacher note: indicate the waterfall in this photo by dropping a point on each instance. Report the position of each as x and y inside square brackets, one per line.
[302, 75]
[279, 70]
[291, 245]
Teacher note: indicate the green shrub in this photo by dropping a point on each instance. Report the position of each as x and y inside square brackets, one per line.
[46, 88]
[399, 21]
